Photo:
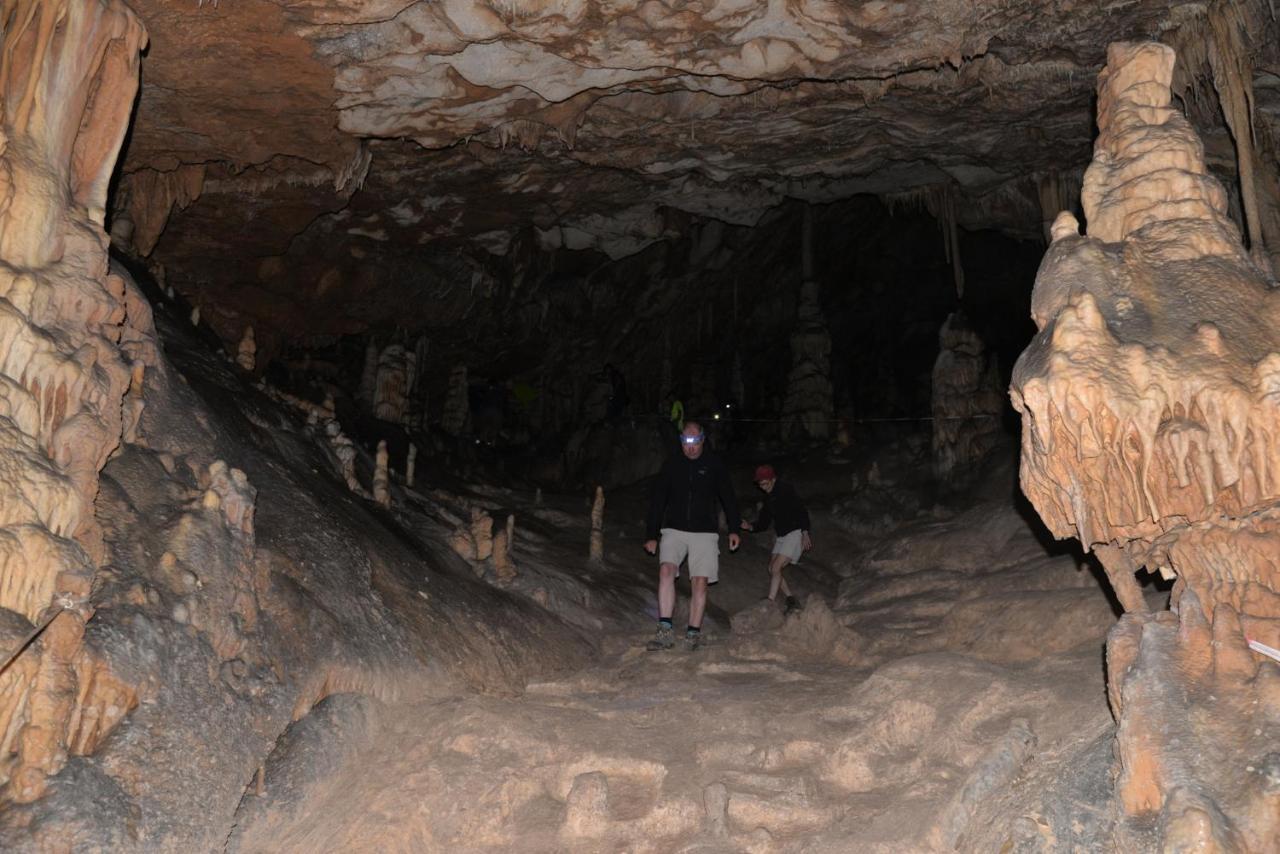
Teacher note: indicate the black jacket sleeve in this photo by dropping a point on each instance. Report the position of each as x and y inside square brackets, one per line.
[657, 503]
[727, 499]
[765, 519]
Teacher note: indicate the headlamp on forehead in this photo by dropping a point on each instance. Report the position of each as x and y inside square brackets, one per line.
[691, 440]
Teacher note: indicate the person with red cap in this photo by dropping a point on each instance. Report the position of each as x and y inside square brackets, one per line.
[782, 507]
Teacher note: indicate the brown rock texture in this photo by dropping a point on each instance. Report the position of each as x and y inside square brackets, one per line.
[294, 194]
[1149, 412]
[67, 79]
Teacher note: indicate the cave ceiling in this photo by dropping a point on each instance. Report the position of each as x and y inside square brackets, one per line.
[295, 164]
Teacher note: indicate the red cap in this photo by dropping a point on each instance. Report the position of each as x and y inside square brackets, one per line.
[765, 472]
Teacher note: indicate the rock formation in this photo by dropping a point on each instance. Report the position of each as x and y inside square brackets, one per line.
[381, 477]
[456, 417]
[396, 372]
[67, 81]
[474, 539]
[808, 410]
[247, 351]
[503, 542]
[596, 552]
[967, 401]
[1149, 404]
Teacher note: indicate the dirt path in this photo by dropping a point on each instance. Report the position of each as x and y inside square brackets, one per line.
[961, 662]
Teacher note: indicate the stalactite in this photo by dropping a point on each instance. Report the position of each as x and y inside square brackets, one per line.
[1233, 80]
[940, 201]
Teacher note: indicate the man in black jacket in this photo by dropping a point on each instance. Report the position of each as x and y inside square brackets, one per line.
[683, 509]
[791, 521]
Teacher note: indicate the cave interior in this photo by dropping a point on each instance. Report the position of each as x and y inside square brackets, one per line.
[346, 347]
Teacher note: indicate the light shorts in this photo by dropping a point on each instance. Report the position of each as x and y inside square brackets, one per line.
[790, 545]
[702, 550]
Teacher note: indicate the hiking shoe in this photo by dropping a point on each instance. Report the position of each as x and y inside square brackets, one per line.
[793, 605]
[664, 639]
[691, 640]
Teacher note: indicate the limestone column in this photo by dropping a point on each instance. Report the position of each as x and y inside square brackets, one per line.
[966, 401]
[1149, 402]
[808, 406]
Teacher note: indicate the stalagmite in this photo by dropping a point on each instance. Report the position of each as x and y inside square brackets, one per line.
[67, 83]
[416, 410]
[345, 452]
[456, 417]
[597, 526]
[395, 376]
[503, 567]
[808, 408]
[967, 402]
[369, 375]
[1149, 408]
[411, 464]
[474, 540]
[246, 353]
[381, 480]
[195, 316]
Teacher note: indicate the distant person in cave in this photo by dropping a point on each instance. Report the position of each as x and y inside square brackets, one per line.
[683, 511]
[784, 509]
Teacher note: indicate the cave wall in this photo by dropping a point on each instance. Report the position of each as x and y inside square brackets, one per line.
[73, 340]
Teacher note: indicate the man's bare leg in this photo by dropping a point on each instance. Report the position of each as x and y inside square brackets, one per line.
[776, 581]
[698, 601]
[667, 590]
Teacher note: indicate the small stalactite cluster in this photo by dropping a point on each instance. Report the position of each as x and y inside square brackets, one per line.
[1218, 49]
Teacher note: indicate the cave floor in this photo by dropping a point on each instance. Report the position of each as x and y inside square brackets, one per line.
[941, 689]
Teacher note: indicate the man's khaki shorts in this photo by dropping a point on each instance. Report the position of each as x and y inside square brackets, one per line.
[702, 550]
[791, 545]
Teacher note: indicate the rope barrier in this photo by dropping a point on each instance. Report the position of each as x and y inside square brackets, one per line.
[733, 419]
[851, 420]
[64, 604]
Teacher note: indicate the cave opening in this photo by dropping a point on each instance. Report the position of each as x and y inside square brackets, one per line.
[563, 426]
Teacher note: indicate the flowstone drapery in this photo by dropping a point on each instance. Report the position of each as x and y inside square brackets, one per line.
[69, 330]
[1151, 431]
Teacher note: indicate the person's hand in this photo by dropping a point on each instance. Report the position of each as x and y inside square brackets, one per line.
[651, 546]
[746, 526]
[734, 542]
[806, 541]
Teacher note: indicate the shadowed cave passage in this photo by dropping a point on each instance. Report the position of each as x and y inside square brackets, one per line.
[335, 393]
